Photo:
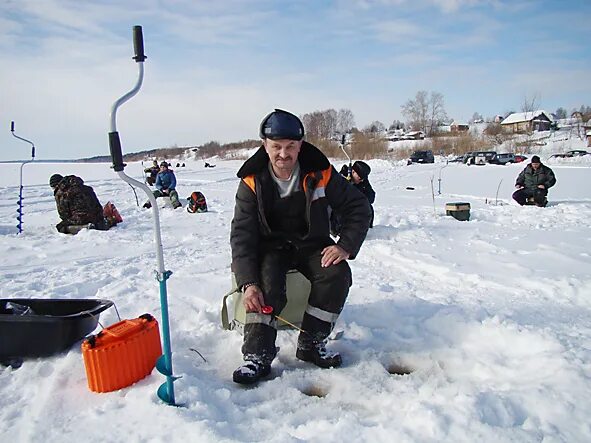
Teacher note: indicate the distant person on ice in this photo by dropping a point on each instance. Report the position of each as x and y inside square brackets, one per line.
[281, 222]
[360, 180]
[165, 186]
[77, 205]
[534, 182]
[153, 171]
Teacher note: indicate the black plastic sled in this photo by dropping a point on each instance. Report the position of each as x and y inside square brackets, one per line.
[43, 327]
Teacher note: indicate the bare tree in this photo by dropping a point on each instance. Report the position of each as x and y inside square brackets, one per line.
[396, 124]
[416, 111]
[320, 124]
[530, 104]
[477, 118]
[345, 121]
[528, 107]
[375, 127]
[437, 112]
[425, 112]
[560, 113]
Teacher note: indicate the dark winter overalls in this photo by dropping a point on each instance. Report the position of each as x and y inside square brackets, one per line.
[271, 235]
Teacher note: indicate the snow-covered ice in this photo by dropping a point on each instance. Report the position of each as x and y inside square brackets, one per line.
[453, 331]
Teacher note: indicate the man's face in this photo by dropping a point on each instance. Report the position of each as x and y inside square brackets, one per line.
[535, 166]
[356, 178]
[163, 168]
[282, 153]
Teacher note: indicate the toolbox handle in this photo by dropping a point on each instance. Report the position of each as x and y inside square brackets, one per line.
[144, 318]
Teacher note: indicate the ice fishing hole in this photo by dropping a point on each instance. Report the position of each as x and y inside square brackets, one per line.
[398, 369]
[314, 391]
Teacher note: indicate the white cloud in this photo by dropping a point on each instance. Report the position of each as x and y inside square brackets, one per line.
[395, 31]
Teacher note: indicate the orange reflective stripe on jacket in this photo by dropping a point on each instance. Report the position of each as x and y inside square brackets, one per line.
[249, 181]
[321, 186]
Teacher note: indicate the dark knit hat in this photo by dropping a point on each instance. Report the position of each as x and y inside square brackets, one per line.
[535, 159]
[362, 169]
[164, 164]
[281, 125]
[54, 180]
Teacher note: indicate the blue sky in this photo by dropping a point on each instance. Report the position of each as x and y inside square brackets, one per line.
[215, 68]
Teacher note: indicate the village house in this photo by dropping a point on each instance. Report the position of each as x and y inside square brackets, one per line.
[457, 127]
[527, 121]
[588, 132]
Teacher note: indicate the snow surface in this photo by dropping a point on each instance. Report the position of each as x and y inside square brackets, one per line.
[490, 317]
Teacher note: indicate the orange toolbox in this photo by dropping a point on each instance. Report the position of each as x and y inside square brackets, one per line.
[122, 353]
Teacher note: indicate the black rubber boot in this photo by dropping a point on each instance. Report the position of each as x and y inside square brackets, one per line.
[251, 372]
[318, 354]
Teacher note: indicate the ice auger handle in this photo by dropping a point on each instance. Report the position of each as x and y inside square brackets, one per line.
[116, 154]
[138, 44]
[12, 126]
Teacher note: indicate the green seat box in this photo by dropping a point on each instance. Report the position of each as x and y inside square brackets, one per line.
[459, 211]
[298, 290]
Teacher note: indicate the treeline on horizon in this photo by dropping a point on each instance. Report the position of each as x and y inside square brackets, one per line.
[425, 112]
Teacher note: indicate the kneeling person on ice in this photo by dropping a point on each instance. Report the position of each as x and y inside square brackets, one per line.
[533, 182]
[165, 186]
[77, 205]
[281, 222]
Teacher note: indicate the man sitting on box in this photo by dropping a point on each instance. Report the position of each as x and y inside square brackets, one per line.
[281, 222]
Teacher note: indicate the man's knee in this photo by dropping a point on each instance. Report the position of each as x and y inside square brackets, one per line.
[540, 196]
[330, 287]
[337, 274]
[519, 197]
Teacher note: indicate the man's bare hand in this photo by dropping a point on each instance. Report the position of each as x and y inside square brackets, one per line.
[541, 186]
[332, 255]
[253, 299]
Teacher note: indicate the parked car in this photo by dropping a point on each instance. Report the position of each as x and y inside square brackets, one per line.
[568, 154]
[467, 156]
[503, 159]
[481, 157]
[457, 159]
[520, 158]
[421, 157]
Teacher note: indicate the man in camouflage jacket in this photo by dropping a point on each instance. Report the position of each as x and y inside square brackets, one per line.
[77, 205]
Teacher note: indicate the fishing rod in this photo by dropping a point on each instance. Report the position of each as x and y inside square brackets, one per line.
[164, 363]
[350, 166]
[439, 179]
[19, 217]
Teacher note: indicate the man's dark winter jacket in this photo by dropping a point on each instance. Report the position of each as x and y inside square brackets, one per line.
[77, 203]
[365, 188]
[324, 189]
[530, 178]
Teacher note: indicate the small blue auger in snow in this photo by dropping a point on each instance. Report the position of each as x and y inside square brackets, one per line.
[19, 217]
[164, 363]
